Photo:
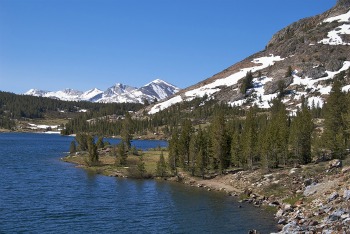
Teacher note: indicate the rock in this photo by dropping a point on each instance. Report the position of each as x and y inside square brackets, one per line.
[253, 231]
[279, 213]
[307, 182]
[316, 72]
[334, 65]
[345, 170]
[282, 221]
[335, 163]
[291, 227]
[298, 203]
[274, 203]
[311, 189]
[268, 177]
[293, 171]
[346, 195]
[346, 221]
[335, 216]
[333, 196]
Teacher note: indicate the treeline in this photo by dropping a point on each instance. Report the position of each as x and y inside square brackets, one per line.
[13, 106]
[162, 122]
[261, 139]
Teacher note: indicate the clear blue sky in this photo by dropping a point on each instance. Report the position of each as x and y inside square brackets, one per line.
[82, 44]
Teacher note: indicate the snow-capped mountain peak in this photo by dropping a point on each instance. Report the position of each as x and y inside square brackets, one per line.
[157, 89]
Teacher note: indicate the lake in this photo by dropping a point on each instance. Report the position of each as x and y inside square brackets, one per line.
[40, 194]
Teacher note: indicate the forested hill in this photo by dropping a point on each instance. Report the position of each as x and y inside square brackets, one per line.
[18, 107]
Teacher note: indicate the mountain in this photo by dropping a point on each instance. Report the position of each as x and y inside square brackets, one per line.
[299, 60]
[119, 93]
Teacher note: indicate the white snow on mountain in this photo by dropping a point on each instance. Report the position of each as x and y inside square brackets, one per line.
[333, 37]
[119, 93]
[314, 86]
[214, 87]
[340, 18]
[91, 94]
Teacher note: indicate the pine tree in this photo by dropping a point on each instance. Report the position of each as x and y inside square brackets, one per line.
[82, 140]
[100, 143]
[72, 148]
[300, 135]
[249, 138]
[122, 153]
[247, 82]
[184, 142]
[173, 148]
[126, 131]
[202, 156]
[221, 157]
[141, 167]
[92, 149]
[236, 149]
[161, 166]
[275, 144]
[289, 72]
[335, 136]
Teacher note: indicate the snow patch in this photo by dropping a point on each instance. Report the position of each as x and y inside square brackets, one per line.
[161, 106]
[340, 18]
[215, 86]
[333, 37]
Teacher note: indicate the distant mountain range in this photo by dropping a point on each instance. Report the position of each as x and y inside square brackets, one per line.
[119, 93]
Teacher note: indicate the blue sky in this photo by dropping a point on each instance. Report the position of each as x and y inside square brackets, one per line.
[83, 44]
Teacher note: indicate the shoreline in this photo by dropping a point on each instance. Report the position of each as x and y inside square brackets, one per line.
[310, 198]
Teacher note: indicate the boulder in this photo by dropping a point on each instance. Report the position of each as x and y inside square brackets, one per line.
[346, 195]
[316, 72]
[334, 65]
[333, 196]
[311, 189]
[335, 163]
[345, 170]
[307, 182]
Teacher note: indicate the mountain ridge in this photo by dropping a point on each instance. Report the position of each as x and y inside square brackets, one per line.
[316, 49]
[118, 93]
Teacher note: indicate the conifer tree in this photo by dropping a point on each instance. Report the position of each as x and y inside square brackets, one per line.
[249, 138]
[202, 156]
[300, 135]
[72, 148]
[126, 131]
[161, 166]
[100, 143]
[92, 149]
[173, 148]
[122, 153]
[184, 142]
[141, 167]
[236, 149]
[221, 158]
[275, 144]
[82, 140]
[247, 82]
[335, 136]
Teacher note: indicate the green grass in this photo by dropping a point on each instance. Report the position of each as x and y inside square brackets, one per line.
[292, 200]
[107, 164]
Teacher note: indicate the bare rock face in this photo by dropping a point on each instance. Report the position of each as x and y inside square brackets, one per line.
[316, 73]
[334, 65]
[343, 3]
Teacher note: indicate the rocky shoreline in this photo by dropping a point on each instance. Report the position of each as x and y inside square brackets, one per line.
[308, 199]
[314, 198]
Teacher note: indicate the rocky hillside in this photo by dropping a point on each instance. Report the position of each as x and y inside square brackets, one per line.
[301, 59]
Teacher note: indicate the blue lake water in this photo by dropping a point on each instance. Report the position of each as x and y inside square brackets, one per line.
[41, 194]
